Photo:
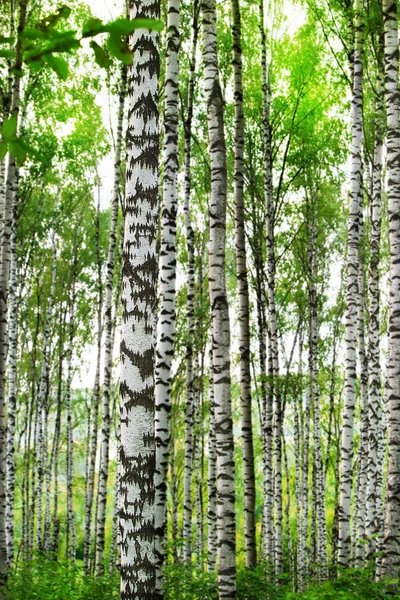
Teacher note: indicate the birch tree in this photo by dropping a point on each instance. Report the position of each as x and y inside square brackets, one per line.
[109, 333]
[11, 183]
[391, 547]
[139, 296]
[167, 285]
[189, 403]
[351, 298]
[243, 297]
[220, 311]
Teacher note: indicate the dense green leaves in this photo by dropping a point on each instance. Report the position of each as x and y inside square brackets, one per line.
[9, 127]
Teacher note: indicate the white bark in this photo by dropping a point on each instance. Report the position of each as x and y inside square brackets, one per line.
[391, 548]
[167, 285]
[352, 299]
[226, 528]
[139, 302]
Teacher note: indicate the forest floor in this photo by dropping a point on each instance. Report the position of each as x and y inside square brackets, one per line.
[45, 579]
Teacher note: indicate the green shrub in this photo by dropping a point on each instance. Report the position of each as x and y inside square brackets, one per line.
[45, 579]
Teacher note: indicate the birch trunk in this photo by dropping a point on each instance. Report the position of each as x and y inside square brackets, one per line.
[360, 498]
[187, 493]
[321, 549]
[344, 542]
[109, 333]
[71, 532]
[243, 297]
[11, 184]
[167, 285]
[12, 392]
[42, 452]
[93, 417]
[297, 455]
[391, 548]
[226, 529]
[212, 482]
[374, 383]
[271, 553]
[139, 301]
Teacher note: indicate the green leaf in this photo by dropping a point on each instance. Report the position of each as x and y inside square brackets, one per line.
[9, 54]
[35, 65]
[31, 33]
[124, 27]
[51, 21]
[18, 150]
[9, 127]
[100, 55]
[3, 149]
[93, 27]
[121, 27]
[6, 40]
[58, 64]
[119, 49]
[153, 24]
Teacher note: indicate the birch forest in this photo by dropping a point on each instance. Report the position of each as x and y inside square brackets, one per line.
[199, 300]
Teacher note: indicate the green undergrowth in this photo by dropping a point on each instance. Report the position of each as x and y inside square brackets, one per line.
[45, 579]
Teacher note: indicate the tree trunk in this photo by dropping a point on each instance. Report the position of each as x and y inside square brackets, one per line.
[95, 401]
[139, 301]
[243, 297]
[374, 383]
[167, 285]
[212, 482]
[321, 549]
[109, 333]
[42, 452]
[187, 482]
[271, 551]
[352, 299]
[391, 548]
[4, 288]
[226, 528]
[71, 532]
[12, 392]
[360, 498]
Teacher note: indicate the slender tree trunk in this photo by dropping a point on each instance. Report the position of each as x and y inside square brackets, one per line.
[380, 505]
[243, 297]
[297, 456]
[93, 432]
[42, 452]
[212, 482]
[352, 299]
[109, 332]
[12, 392]
[71, 532]
[11, 183]
[271, 552]
[56, 441]
[374, 383]
[139, 301]
[167, 285]
[187, 483]
[226, 528]
[391, 548]
[305, 483]
[360, 498]
[321, 550]
[114, 530]
[273, 361]
[198, 452]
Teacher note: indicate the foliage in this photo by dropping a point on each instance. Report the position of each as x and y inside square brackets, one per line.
[46, 579]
